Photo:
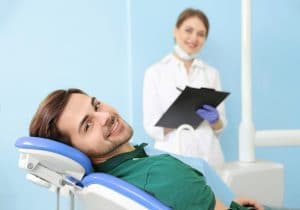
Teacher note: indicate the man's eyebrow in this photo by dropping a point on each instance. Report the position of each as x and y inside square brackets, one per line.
[86, 116]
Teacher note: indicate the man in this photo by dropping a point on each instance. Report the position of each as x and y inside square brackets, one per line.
[96, 129]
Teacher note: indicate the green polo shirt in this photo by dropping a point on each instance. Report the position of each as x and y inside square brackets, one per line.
[174, 183]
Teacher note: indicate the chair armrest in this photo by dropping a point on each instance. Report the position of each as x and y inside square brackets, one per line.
[124, 188]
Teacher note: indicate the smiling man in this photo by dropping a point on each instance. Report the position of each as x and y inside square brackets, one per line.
[95, 128]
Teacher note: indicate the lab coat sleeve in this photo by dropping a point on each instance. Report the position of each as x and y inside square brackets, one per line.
[221, 107]
[151, 106]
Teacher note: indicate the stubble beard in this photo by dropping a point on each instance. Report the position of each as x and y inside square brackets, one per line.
[116, 144]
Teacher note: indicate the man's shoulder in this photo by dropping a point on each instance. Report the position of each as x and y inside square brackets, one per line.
[196, 163]
[169, 164]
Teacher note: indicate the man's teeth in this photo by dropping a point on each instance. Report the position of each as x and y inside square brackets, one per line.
[114, 126]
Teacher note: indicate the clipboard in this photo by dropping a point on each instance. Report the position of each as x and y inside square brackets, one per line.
[183, 109]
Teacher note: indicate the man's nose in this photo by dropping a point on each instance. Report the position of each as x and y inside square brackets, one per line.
[103, 117]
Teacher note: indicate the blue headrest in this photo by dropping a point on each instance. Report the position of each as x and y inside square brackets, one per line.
[28, 142]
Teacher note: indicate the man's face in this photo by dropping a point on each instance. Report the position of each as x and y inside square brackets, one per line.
[94, 128]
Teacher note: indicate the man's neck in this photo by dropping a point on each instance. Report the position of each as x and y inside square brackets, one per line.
[127, 147]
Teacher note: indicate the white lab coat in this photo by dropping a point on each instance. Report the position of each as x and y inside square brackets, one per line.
[161, 81]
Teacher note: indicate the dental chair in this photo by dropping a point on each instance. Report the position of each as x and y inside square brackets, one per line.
[67, 171]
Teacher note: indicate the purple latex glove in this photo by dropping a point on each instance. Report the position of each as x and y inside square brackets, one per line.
[208, 113]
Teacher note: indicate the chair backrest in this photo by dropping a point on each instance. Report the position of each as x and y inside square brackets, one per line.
[54, 162]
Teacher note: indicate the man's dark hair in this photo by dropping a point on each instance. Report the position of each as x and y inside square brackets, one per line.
[45, 119]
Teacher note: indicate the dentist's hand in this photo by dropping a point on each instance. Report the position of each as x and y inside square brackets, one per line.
[208, 113]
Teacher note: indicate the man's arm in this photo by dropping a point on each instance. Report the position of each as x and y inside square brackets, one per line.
[222, 192]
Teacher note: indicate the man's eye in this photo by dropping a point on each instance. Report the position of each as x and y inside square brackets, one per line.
[87, 126]
[97, 106]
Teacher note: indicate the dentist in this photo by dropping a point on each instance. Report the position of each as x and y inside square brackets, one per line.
[163, 82]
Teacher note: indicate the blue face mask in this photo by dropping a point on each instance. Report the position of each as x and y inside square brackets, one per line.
[184, 55]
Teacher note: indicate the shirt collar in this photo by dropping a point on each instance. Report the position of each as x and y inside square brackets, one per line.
[197, 64]
[113, 162]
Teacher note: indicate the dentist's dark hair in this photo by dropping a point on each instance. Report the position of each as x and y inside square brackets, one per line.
[44, 122]
[190, 12]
